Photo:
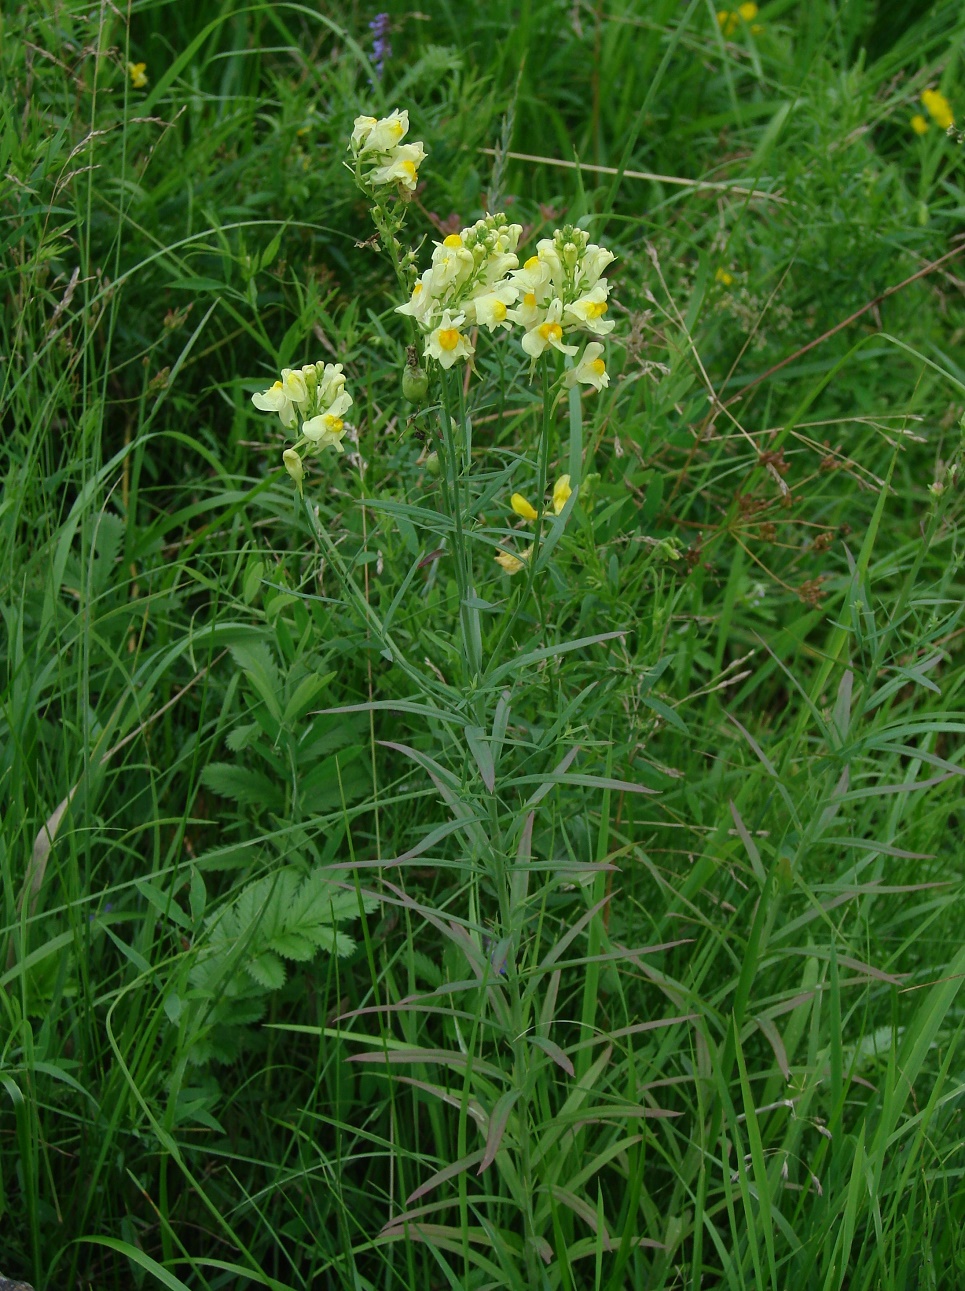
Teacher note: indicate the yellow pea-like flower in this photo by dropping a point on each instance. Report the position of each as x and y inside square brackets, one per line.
[523, 508]
[561, 492]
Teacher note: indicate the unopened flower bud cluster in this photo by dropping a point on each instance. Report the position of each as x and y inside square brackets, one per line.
[313, 400]
[383, 163]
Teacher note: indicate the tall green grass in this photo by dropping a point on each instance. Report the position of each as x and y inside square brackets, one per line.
[726, 1051]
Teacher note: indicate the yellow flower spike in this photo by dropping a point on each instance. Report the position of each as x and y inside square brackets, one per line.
[138, 75]
[523, 508]
[747, 11]
[919, 124]
[723, 277]
[561, 492]
[512, 564]
[938, 108]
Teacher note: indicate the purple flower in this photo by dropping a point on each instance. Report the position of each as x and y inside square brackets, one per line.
[381, 48]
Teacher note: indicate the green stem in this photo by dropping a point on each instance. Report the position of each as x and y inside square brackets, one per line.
[543, 472]
[575, 463]
[356, 597]
[468, 613]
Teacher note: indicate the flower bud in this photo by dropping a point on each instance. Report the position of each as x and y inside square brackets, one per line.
[415, 384]
[433, 465]
[293, 465]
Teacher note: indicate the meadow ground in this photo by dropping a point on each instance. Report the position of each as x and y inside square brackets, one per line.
[372, 916]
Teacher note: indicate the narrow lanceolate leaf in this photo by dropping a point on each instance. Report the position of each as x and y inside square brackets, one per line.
[553, 1051]
[441, 1057]
[587, 781]
[473, 1107]
[497, 1126]
[444, 1175]
[514, 666]
[482, 755]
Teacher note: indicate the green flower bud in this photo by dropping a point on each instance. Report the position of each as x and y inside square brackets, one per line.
[415, 384]
[293, 465]
[433, 465]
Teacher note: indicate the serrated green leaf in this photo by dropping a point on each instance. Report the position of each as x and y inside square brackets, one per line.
[258, 665]
[306, 693]
[238, 783]
[293, 945]
[267, 970]
[241, 736]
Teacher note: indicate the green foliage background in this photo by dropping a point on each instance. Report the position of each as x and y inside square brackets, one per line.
[195, 948]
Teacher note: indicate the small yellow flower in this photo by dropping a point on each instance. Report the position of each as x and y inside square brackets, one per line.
[138, 75]
[919, 124]
[561, 491]
[723, 277]
[730, 19]
[512, 564]
[938, 108]
[523, 508]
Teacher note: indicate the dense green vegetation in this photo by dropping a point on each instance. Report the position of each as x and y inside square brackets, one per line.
[632, 958]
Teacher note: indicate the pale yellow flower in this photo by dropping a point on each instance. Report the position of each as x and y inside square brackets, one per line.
[595, 261]
[138, 75]
[512, 564]
[548, 332]
[371, 135]
[402, 167]
[561, 491]
[590, 370]
[938, 108]
[588, 311]
[919, 124]
[446, 343]
[276, 399]
[421, 299]
[491, 309]
[327, 428]
[452, 265]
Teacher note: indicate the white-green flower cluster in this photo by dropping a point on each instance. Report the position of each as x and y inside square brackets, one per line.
[312, 398]
[382, 160]
[467, 285]
[475, 281]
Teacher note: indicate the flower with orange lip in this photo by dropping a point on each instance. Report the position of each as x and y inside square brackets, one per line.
[590, 370]
[547, 332]
[447, 344]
